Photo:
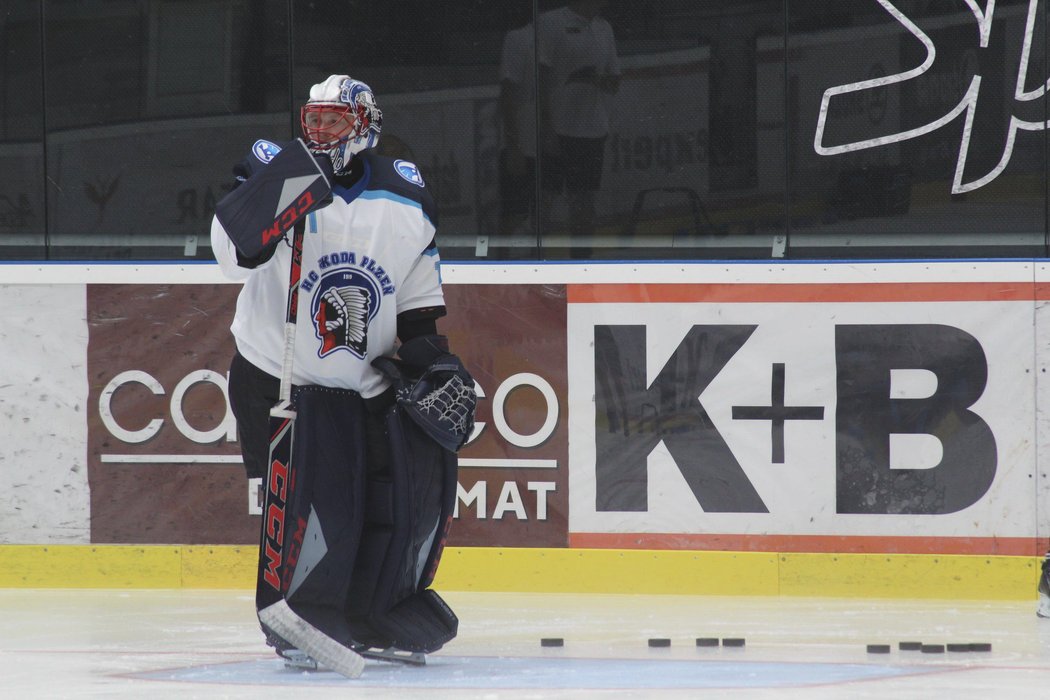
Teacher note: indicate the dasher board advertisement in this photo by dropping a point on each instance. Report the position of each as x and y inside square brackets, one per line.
[802, 407]
[891, 417]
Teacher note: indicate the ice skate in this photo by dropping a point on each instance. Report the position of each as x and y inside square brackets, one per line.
[1043, 606]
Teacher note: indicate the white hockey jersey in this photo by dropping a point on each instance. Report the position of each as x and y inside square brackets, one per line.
[367, 256]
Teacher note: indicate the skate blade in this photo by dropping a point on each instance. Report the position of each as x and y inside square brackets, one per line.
[299, 661]
[397, 656]
[1043, 608]
[311, 641]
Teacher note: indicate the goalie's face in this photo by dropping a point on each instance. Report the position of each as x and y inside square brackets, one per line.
[341, 119]
[326, 126]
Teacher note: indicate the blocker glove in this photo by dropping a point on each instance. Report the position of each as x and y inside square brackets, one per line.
[279, 185]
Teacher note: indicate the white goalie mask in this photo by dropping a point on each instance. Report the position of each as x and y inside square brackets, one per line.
[340, 119]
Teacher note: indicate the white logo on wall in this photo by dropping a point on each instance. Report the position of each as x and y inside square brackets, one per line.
[967, 104]
[224, 431]
[509, 502]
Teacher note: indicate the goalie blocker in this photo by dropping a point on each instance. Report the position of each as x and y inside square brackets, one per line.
[280, 185]
[364, 532]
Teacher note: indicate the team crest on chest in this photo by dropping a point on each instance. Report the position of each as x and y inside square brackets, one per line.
[346, 291]
[344, 301]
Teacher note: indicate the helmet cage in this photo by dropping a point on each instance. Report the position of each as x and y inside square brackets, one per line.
[326, 125]
[340, 120]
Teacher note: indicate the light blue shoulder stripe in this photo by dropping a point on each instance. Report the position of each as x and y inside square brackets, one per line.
[384, 194]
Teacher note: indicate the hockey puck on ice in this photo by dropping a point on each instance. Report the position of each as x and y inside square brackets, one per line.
[552, 642]
[932, 649]
[707, 641]
[957, 647]
[910, 646]
[732, 641]
[980, 646]
[878, 648]
[659, 642]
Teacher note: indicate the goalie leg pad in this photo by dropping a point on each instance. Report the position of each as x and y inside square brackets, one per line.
[406, 525]
[324, 506]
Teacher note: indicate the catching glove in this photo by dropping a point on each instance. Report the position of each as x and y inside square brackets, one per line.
[434, 389]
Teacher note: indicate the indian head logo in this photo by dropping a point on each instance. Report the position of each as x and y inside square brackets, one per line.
[344, 301]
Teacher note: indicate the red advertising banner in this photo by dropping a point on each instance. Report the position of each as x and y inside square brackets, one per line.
[164, 465]
[513, 475]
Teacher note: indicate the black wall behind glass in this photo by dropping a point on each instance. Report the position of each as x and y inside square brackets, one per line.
[147, 106]
[764, 129]
[917, 152]
[22, 213]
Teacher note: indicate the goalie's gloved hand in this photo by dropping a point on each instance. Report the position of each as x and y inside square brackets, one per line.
[258, 157]
[434, 388]
[430, 353]
[240, 218]
[262, 153]
[244, 170]
[250, 165]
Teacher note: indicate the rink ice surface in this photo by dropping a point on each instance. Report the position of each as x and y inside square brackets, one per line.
[159, 644]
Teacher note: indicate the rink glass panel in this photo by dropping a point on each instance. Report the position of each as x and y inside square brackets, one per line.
[776, 129]
[886, 171]
[147, 106]
[22, 216]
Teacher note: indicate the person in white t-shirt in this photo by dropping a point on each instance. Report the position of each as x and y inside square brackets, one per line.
[517, 104]
[579, 73]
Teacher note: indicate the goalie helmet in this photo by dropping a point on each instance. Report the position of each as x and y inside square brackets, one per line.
[340, 119]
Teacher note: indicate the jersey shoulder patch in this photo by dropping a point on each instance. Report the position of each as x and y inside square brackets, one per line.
[409, 172]
[402, 179]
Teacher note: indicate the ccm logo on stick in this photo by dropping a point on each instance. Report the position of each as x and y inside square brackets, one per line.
[274, 542]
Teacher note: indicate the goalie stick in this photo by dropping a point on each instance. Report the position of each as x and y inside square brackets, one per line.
[275, 556]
